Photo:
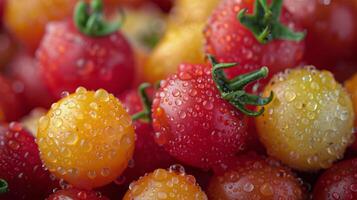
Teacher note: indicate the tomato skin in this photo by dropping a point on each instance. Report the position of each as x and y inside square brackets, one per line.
[22, 16]
[165, 184]
[69, 59]
[254, 177]
[11, 107]
[21, 166]
[193, 123]
[308, 125]
[338, 182]
[7, 48]
[148, 155]
[95, 138]
[75, 194]
[24, 70]
[351, 86]
[331, 28]
[229, 40]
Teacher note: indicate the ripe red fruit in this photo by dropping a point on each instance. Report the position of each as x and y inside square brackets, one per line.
[338, 182]
[2, 3]
[165, 5]
[269, 44]
[148, 156]
[20, 164]
[199, 124]
[76, 194]
[24, 70]
[7, 48]
[77, 54]
[256, 178]
[331, 28]
[11, 107]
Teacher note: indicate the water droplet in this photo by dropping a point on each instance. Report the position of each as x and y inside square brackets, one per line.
[91, 174]
[266, 189]
[57, 122]
[160, 174]
[177, 168]
[208, 105]
[353, 187]
[105, 172]
[82, 195]
[102, 94]
[161, 195]
[248, 187]
[64, 94]
[71, 138]
[176, 93]
[311, 106]
[289, 96]
[14, 145]
[81, 90]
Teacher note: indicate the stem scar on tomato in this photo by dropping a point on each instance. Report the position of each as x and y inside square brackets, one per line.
[3, 186]
[233, 90]
[265, 23]
[93, 23]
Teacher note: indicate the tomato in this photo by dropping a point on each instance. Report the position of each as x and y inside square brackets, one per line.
[233, 35]
[165, 5]
[75, 194]
[338, 182]
[7, 49]
[308, 125]
[30, 121]
[163, 184]
[22, 16]
[182, 41]
[193, 121]
[351, 86]
[256, 178]
[20, 164]
[86, 138]
[331, 27]
[24, 71]
[11, 106]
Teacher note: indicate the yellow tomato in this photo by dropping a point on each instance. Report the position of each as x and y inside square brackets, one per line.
[86, 138]
[163, 184]
[308, 125]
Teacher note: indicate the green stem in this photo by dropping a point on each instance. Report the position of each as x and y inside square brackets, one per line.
[265, 23]
[90, 21]
[145, 114]
[3, 186]
[233, 90]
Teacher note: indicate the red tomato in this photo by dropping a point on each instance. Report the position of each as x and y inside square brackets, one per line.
[331, 27]
[69, 59]
[338, 182]
[230, 40]
[25, 72]
[21, 166]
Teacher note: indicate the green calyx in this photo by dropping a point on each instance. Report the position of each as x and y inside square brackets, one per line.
[89, 19]
[145, 114]
[3, 186]
[233, 90]
[265, 23]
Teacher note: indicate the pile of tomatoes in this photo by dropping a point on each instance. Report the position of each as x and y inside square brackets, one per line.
[178, 99]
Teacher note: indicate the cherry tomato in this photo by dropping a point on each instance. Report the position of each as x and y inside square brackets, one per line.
[24, 71]
[2, 4]
[331, 28]
[231, 38]
[308, 125]
[192, 120]
[93, 62]
[163, 184]
[351, 86]
[20, 164]
[7, 49]
[256, 178]
[22, 16]
[165, 5]
[75, 194]
[86, 138]
[338, 182]
[11, 107]
[182, 41]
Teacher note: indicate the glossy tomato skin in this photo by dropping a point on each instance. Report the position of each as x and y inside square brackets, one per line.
[11, 107]
[75, 194]
[193, 123]
[69, 59]
[25, 72]
[21, 166]
[229, 40]
[164, 184]
[309, 123]
[351, 86]
[338, 182]
[22, 16]
[95, 138]
[331, 28]
[254, 177]
[148, 155]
